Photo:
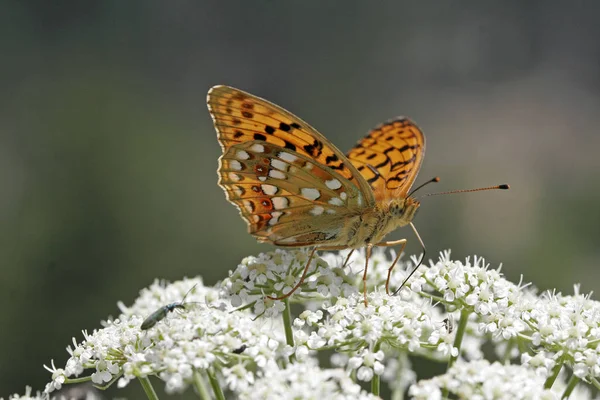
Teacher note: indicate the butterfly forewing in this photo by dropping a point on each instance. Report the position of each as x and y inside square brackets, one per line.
[285, 197]
[389, 157]
[240, 117]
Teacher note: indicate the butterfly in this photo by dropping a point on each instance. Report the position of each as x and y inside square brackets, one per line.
[294, 188]
[162, 312]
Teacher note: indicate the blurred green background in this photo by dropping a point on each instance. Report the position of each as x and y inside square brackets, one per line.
[108, 154]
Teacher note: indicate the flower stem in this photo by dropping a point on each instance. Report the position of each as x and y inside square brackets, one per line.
[555, 371]
[376, 381]
[287, 324]
[78, 380]
[200, 386]
[570, 386]
[145, 382]
[215, 384]
[460, 333]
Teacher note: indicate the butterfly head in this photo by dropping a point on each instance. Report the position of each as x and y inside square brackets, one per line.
[404, 210]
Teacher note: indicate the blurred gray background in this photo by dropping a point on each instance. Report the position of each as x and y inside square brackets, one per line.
[108, 154]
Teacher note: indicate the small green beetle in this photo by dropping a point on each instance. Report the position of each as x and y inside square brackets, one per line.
[162, 312]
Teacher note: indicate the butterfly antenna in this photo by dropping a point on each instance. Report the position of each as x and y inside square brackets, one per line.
[432, 180]
[420, 261]
[503, 186]
[188, 292]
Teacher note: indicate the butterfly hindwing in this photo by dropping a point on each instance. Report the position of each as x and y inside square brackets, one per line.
[389, 157]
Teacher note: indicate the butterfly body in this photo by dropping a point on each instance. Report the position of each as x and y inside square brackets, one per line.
[372, 225]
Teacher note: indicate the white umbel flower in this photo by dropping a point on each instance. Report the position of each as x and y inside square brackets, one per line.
[205, 334]
[305, 381]
[482, 380]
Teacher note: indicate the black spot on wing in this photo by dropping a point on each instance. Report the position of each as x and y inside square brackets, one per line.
[290, 146]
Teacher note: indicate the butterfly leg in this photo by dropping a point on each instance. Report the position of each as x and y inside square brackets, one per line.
[348, 258]
[401, 242]
[310, 257]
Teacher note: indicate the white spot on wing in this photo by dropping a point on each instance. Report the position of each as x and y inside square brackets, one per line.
[276, 174]
[243, 155]
[258, 148]
[333, 184]
[317, 210]
[235, 164]
[359, 200]
[310, 193]
[262, 178]
[279, 165]
[234, 177]
[269, 189]
[237, 191]
[330, 211]
[343, 195]
[248, 206]
[255, 218]
[275, 217]
[280, 203]
[336, 202]
[287, 156]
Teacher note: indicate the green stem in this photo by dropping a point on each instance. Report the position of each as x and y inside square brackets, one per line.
[200, 386]
[460, 333]
[570, 386]
[555, 371]
[215, 384]
[78, 380]
[375, 381]
[287, 324]
[596, 383]
[145, 382]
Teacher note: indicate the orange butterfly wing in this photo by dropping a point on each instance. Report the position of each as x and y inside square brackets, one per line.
[291, 185]
[241, 117]
[389, 157]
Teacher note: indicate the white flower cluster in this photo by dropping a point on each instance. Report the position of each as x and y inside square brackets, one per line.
[200, 337]
[565, 329]
[387, 323]
[449, 308]
[305, 381]
[497, 303]
[482, 380]
[276, 273]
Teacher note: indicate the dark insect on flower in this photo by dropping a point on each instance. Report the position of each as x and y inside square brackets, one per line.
[162, 312]
[449, 324]
[240, 349]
